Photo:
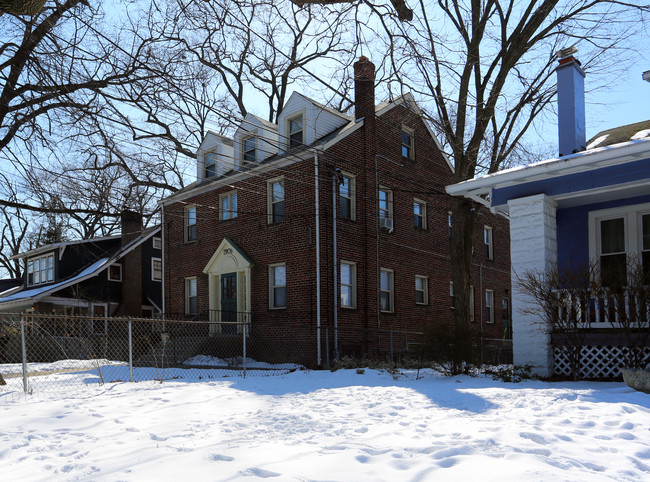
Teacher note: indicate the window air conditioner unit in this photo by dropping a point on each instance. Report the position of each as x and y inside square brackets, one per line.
[386, 223]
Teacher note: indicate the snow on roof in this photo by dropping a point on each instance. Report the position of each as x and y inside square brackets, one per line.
[41, 291]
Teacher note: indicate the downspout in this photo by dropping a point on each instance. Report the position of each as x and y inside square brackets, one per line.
[162, 252]
[335, 176]
[482, 294]
[318, 307]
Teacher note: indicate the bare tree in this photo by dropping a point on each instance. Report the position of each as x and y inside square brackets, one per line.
[486, 67]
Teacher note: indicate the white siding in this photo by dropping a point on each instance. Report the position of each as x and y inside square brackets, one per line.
[214, 143]
[317, 121]
[265, 133]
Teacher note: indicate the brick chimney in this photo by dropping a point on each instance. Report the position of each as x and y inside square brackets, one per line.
[364, 89]
[571, 103]
[131, 303]
[131, 226]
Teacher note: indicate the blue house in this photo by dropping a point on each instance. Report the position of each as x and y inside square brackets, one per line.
[566, 212]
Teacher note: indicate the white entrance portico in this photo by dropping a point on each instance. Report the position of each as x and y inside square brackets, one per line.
[229, 285]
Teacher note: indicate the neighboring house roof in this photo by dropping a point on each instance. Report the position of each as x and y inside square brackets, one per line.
[20, 297]
[617, 135]
[594, 175]
[62, 244]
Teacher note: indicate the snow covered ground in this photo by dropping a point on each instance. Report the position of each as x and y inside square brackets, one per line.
[310, 425]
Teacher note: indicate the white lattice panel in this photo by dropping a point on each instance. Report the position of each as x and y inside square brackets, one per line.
[596, 361]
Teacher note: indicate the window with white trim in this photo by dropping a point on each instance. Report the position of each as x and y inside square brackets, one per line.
[489, 306]
[348, 284]
[275, 196]
[407, 143]
[249, 148]
[156, 269]
[191, 297]
[619, 242]
[228, 206]
[421, 290]
[419, 214]
[347, 197]
[189, 222]
[278, 286]
[40, 270]
[157, 242]
[386, 290]
[487, 240]
[385, 203]
[296, 132]
[210, 164]
[115, 272]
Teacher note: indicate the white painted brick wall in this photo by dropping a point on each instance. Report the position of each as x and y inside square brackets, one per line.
[533, 246]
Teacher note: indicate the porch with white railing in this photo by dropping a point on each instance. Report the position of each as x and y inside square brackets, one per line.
[610, 327]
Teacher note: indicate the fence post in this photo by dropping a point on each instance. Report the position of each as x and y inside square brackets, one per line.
[22, 342]
[391, 346]
[244, 342]
[130, 350]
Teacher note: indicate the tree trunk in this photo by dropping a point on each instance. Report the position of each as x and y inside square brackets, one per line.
[463, 219]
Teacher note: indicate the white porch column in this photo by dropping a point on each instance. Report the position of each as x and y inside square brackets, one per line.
[533, 246]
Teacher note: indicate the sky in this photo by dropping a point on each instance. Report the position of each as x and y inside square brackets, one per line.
[319, 425]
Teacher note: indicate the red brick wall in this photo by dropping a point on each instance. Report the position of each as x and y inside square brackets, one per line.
[408, 250]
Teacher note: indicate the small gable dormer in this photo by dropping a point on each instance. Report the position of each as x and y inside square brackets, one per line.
[214, 157]
[255, 141]
[303, 121]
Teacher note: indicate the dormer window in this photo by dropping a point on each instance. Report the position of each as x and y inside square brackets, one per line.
[249, 150]
[40, 270]
[210, 164]
[295, 132]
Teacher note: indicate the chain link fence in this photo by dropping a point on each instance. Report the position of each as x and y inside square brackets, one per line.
[52, 352]
[49, 353]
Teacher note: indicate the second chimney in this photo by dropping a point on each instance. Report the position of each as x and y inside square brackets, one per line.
[131, 226]
[571, 105]
[364, 89]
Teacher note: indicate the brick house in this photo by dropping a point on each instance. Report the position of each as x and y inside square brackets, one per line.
[254, 241]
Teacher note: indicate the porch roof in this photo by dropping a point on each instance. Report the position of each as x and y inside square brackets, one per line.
[600, 174]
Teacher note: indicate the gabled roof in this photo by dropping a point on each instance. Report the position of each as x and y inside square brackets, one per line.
[92, 269]
[297, 154]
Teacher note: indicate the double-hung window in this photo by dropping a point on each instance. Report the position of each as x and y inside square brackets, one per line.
[191, 298]
[40, 270]
[421, 290]
[228, 206]
[489, 306]
[619, 242]
[278, 286]
[420, 214]
[156, 269]
[249, 150]
[190, 224]
[348, 284]
[487, 240]
[210, 164]
[296, 138]
[386, 290]
[385, 203]
[407, 143]
[275, 200]
[347, 197]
